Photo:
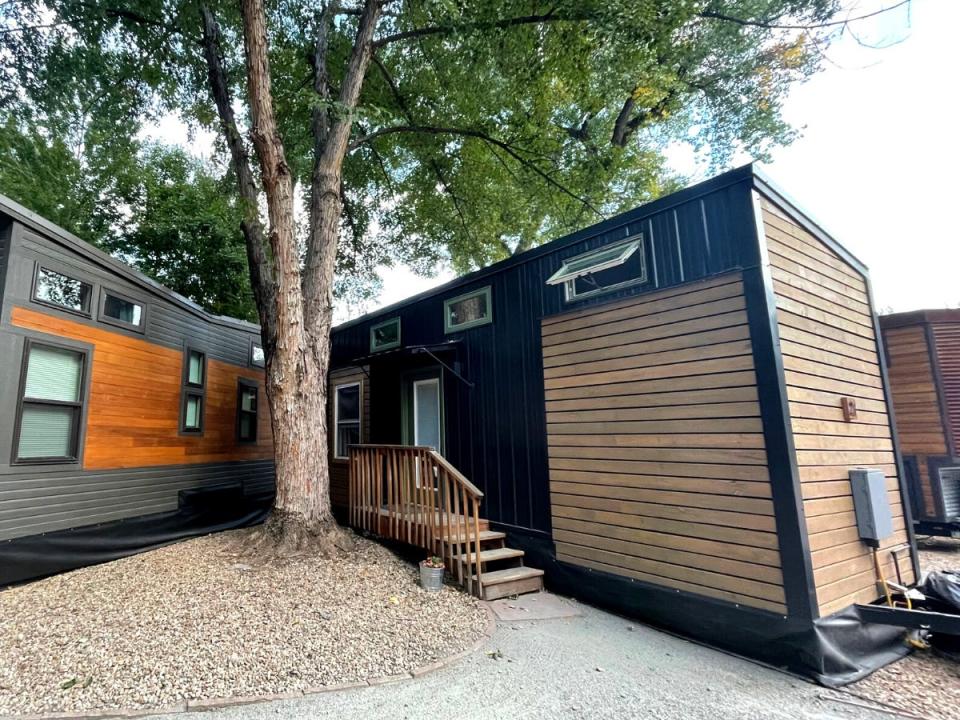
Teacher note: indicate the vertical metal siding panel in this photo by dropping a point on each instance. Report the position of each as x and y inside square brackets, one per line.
[496, 431]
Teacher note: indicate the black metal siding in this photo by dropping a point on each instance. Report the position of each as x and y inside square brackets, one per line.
[496, 430]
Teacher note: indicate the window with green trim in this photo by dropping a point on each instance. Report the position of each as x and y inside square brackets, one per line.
[385, 335]
[466, 311]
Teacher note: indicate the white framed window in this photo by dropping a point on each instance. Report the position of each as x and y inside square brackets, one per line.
[346, 418]
[603, 270]
[469, 310]
[385, 335]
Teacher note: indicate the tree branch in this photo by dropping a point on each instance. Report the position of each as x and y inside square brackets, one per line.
[480, 25]
[716, 15]
[480, 135]
[258, 257]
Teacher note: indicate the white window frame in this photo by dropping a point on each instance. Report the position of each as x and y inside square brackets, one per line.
[336, 415]
[567, 277]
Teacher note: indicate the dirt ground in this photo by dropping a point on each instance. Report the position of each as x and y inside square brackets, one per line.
[925, 684]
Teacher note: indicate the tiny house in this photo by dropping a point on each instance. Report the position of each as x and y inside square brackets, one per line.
[664, 414]
[923, 357]
[129, 416]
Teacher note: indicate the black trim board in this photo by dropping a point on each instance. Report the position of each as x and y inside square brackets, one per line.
[798, 579]
[892, 419]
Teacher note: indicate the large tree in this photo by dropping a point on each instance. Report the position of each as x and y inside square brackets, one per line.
[417, 128]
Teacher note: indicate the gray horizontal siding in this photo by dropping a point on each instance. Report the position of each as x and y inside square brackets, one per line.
[32, 503]
[167, 322]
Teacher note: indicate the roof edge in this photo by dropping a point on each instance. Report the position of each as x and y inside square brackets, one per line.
[40, 224]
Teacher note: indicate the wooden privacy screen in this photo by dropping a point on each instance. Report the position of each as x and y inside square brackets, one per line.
[133, 418]
[830, 352]
[916, 403]
[658, 469]
[947, 340]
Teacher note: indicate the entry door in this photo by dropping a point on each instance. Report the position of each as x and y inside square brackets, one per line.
[426, 413]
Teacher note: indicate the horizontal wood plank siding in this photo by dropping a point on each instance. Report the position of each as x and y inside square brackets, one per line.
[658, 469]
[829, 352]
[340, 469]
[133, 418]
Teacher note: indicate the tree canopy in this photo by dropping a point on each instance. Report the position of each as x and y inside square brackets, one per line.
[482, 128]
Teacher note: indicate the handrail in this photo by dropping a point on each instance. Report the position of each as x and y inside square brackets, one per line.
[471, 488]
[413, 494]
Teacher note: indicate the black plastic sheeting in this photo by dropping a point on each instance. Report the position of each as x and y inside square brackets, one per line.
[37, 556]
[833, 651]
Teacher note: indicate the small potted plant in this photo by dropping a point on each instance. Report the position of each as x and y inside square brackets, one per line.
[431, 573]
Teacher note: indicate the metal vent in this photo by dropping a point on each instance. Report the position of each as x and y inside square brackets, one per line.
[950, 487]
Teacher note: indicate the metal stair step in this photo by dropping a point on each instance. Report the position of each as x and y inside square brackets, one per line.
[493, 555]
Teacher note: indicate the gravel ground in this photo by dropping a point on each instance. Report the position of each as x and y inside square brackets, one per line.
[594, 667]
[188, 622]
[925, 683]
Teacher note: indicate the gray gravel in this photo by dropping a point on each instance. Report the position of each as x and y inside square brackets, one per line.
[187, 622]
[597, 665]
[924, 683]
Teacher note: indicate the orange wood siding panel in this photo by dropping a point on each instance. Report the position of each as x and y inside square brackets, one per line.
[829, 352]
[658, 469]
[914, 391]
[947, 339]
[340, 469]
[133, 417]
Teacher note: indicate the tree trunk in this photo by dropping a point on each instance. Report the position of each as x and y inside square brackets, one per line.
[295, 304]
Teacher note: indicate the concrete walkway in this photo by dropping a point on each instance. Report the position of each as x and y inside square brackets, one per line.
[590, 664]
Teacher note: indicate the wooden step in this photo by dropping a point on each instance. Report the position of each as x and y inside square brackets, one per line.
[512, 581]
[485, 536]
[493, 555]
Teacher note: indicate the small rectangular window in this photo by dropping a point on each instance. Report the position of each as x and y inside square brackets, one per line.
[63, 291]
[246, 411]
[195, 368]
[385, 335]
[346, 418]
[257, 356]
[194, 391]
[51, 405]
[467, 311]
[120, 310]
[603, 270]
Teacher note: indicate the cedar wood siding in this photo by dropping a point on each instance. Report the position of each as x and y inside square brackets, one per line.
[340, 469]
[133, 460]
[658, 467]
[916, 402]
[829, 350]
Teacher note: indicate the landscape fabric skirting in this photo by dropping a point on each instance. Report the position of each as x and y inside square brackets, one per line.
[37, 556]
[834, 651]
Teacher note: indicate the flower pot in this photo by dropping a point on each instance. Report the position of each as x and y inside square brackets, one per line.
[431, 578]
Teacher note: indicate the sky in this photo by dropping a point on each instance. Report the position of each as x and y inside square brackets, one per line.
[877, 162]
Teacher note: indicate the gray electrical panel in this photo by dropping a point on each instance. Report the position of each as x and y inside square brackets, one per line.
[874, 519]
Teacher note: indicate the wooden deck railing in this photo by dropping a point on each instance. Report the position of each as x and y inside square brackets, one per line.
[412, 494]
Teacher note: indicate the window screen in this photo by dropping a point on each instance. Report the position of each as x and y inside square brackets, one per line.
[51, 404]
[347, 418]
[64, 291]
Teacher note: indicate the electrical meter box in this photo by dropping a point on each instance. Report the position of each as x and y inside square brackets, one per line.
[874, 519]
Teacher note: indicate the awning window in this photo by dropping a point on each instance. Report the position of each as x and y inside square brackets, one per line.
[595, 261]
